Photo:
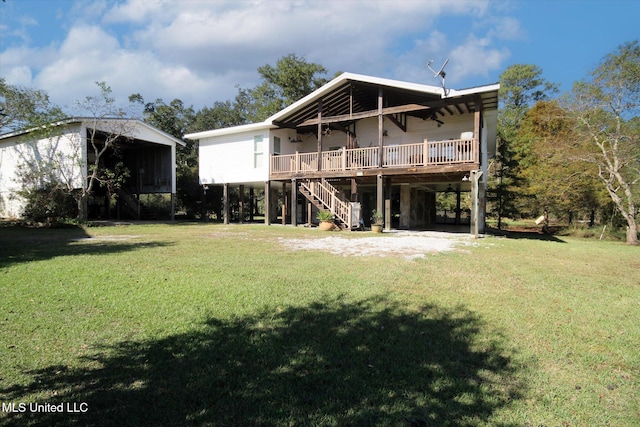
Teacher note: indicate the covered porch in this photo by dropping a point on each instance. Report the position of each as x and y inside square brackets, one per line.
[348, 161]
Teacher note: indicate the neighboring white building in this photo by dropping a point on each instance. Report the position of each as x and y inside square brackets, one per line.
[148, 153]
[362, 143]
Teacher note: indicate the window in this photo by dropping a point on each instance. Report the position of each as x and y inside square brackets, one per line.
[258, 152]
[276, 145]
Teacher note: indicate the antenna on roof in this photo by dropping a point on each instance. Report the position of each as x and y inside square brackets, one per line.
[440, 73]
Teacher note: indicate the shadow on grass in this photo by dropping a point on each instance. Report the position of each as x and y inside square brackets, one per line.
[370, 363]
[18, 244]
[531, 234]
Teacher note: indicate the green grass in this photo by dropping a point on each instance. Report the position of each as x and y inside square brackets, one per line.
[192, 324]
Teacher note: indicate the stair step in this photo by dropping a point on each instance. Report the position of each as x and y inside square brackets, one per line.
[307, 189]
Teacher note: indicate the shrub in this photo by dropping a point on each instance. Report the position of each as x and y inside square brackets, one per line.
[49, 204]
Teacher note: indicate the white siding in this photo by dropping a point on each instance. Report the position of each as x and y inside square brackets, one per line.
[230, 158]
[62, 154]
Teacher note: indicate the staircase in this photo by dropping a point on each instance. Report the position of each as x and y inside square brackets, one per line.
[132, 207]
[325, 196]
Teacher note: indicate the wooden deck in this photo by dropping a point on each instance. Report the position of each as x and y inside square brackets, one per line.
[425, 156]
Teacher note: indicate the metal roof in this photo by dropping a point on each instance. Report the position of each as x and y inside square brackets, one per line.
[89, 120]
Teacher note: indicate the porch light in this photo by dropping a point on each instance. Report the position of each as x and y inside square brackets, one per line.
[465, 178]
[294, 140]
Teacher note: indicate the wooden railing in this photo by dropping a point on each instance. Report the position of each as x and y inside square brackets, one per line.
[427, 153]
[330, 198]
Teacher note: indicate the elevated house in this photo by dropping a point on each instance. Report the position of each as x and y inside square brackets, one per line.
[65, 150]
[357, 144]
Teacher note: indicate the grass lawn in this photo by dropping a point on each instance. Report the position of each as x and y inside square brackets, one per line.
[192, 324]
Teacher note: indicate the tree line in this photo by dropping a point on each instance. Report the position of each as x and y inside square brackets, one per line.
[570, 156]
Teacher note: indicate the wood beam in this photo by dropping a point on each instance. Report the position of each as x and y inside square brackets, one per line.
[319, 122]
[399, 120]
[380, 127]
[366, 114]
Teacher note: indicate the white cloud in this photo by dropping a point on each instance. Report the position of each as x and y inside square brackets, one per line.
[199, 51]
[477, 56]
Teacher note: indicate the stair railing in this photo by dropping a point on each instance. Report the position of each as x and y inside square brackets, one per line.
[330, 198]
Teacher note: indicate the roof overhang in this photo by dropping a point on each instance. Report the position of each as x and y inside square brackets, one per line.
[107, 125]
[350, 97]
[266, 125]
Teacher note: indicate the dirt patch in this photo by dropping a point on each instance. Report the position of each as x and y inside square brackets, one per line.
[409, 245]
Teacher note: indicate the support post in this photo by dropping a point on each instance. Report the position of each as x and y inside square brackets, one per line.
[203, 203]
[252, 203]
[387, 204]
[225, 203]
[294, 202]
[173, 206]
[354, 190]
[405, 207]
[267, 203]
[284, 203]
[477, 130]
[319, 135]
[380, 129]
[475, 203]
[380, 194]
[241, 205]
[458, 207]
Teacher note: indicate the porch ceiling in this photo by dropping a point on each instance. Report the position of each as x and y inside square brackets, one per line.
[354, 100]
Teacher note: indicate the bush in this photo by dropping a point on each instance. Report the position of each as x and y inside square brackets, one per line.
[50, 205]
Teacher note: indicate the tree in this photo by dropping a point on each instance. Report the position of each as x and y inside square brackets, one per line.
[102, 137]
[558, 182]
[221, 115]
[291, 79]
[176, 119]
[521, 85]
[22, 108]
[605, 108]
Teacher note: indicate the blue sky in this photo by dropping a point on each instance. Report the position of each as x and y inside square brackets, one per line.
[200, 51]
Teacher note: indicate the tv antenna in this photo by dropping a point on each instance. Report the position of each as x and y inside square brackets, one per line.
[440, 73]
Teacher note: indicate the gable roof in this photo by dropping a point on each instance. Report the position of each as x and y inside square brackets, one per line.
[349, 97]
[153, 131]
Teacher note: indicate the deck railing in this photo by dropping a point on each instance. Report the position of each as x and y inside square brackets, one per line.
[427, 153]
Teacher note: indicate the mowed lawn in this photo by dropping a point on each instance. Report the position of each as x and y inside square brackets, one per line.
[206, 324]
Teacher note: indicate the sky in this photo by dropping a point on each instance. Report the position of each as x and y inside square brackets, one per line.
[201, 51]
